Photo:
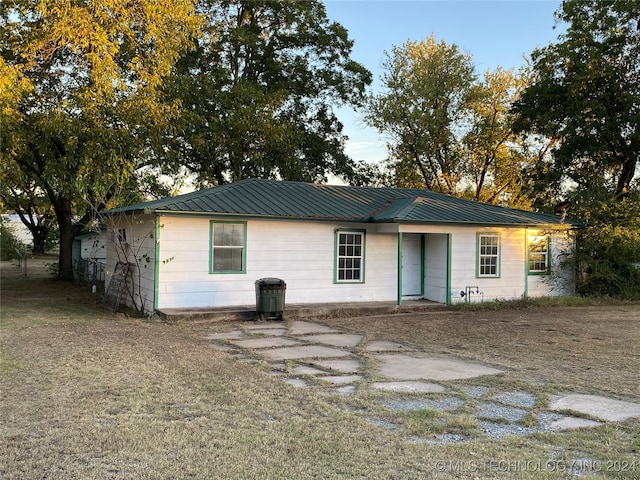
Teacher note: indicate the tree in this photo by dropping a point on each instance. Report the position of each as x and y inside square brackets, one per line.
[607, 255]
[428, 88]
[83, 106]
[450, 130]
[259, 91]
[494, 155]
[22, 195]
[586, 92]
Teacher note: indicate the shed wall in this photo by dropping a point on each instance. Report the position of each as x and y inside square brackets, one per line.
[139, 251]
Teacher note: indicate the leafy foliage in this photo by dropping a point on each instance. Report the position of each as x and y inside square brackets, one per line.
[449, 130]
[9, 242]
[258, 93]
[83, 102]
[428, 88]
[585, 91]
[607, 257]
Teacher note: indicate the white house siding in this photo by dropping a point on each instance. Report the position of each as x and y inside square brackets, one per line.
[435, 271]
[513, 281]
[93, 247]
[559, 282]
[300, 253]
[139, 251]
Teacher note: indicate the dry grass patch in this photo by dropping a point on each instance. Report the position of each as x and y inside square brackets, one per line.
[588, 349]
[89, 394]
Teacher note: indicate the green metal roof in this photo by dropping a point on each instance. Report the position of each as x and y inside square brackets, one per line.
[297, 200]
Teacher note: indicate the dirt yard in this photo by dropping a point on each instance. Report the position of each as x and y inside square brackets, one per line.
[591, 349]
[88, 393]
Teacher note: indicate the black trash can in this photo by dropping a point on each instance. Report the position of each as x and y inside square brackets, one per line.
[270, 293]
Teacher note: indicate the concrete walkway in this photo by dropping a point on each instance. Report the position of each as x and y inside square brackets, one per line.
[309, 354]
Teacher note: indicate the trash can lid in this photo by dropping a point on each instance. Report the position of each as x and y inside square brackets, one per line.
[270, 281]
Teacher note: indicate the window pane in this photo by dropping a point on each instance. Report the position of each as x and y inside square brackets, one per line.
[228, 247]
[488, 255]
[349, 261]
[538, 254]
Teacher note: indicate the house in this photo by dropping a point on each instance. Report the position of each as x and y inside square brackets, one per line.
[89, 257]
[331, 243]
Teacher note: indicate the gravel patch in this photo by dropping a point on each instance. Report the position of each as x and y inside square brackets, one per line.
[495, 411]
[386, 424]
[476, 392]
[501, 430]
[446, 438]
[447, 403]
[518, 399]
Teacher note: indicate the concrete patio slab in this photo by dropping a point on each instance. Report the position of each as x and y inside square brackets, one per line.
[404, 367]
[336, 339]
[263, 326]
[304, 351]
[601, 408]
[385, 346]
[572, 423]
[304, 370]
[347, 365]
[296, 382]
[234, 334]
[265, 342]
[341, 380]
[306, 328]
[346, 390]
[411, 386]
[271, 332]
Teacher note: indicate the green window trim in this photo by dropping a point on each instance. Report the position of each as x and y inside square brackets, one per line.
[236, 245]
[488, 255]
[536, 258]
[349, 256]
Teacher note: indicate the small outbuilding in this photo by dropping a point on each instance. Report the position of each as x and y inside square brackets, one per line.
[332, 244]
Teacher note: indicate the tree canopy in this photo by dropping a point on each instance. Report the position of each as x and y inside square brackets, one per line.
[99, 96]
[83, 96]
[585, 92]
[259, 92]
[449, 129]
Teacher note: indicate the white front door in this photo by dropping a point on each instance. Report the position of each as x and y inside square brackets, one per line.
[411, 265]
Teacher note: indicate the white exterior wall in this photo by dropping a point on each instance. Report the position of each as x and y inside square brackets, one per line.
[559, 282]
[513, 281]
[139, 251]
[94, 247]
[435, 271]
[509, 284]
[300, 253]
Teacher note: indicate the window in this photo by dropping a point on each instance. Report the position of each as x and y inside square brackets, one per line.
[488, 255]
[227, 247]
[120, 236]
[350, 257]
[539, 255]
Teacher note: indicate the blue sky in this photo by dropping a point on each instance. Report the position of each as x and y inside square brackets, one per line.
[494, 32]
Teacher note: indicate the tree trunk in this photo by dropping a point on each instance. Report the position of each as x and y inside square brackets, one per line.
[39, 240]
[626, 176]
[68, 231]
[65, 259]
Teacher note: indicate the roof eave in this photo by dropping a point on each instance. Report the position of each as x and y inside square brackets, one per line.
[557, 226]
